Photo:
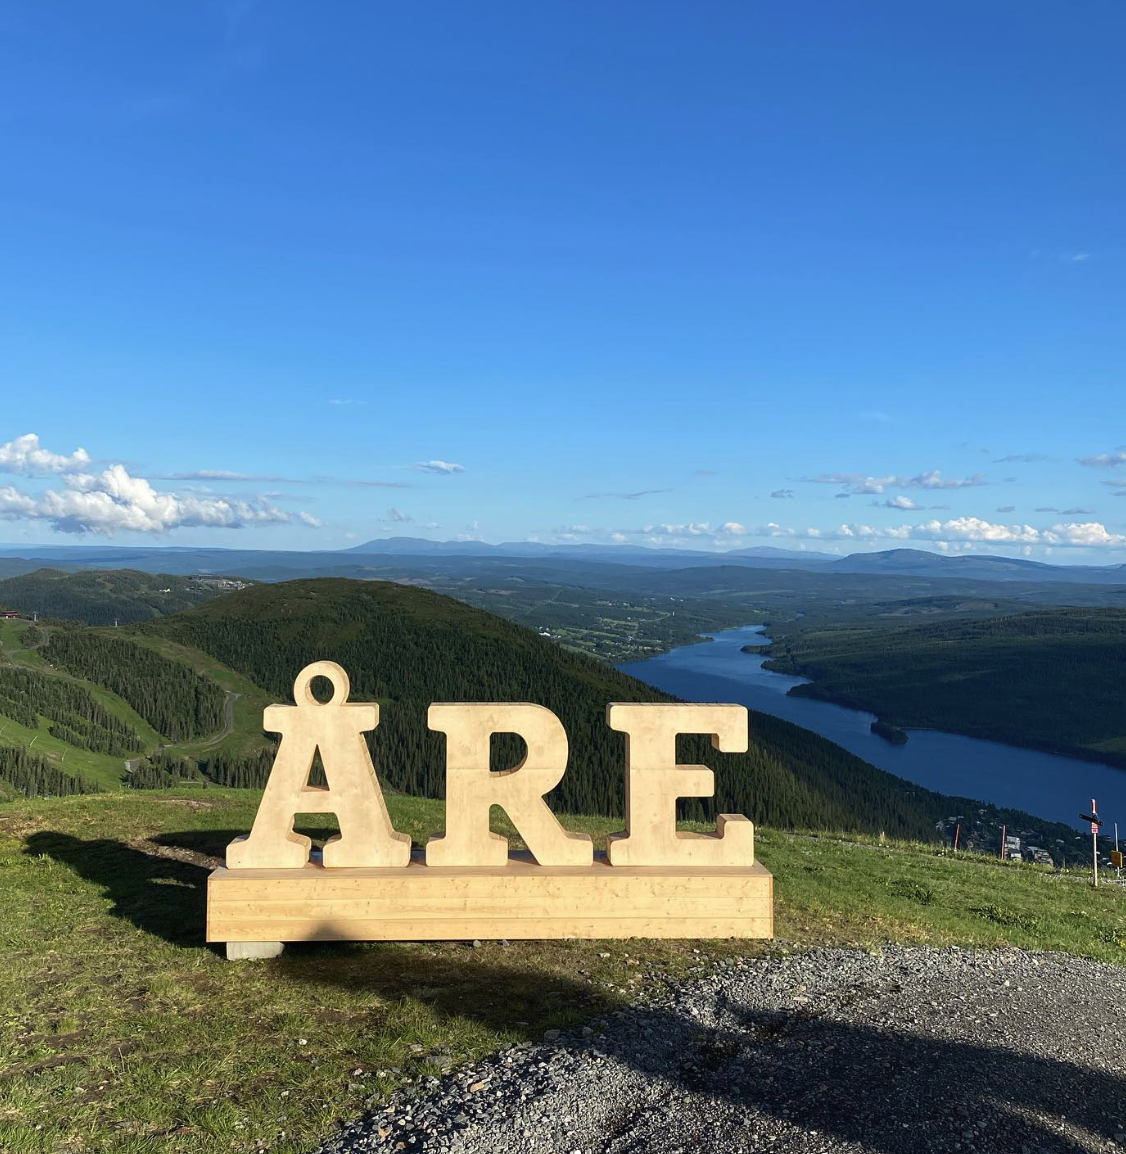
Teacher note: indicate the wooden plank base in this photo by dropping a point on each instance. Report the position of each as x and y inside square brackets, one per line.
[521, 900]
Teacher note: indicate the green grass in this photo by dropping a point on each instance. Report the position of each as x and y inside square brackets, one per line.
[123, 1033]
[101, 768]
[15, 649]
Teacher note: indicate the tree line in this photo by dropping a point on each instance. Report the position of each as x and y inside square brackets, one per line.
[164, 770]
[175, 700]
[35, 776]
[75, 715]
[100, 596]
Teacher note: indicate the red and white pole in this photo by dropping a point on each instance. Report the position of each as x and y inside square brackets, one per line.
[1095, 839]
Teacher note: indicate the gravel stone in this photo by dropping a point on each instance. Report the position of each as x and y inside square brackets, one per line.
[904, 1051]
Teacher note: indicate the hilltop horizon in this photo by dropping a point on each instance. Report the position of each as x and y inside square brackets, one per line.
[900, 559]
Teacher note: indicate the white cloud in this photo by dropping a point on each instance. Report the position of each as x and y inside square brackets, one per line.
[1105, 460]
[900, 502]
[443, 468]
[25, 457]
[872, 532]
[114, 501]
[952, 534]
[1089, 534]
[224, 475]
[783, 494]
[399, 516]
[692, 529]
[974, 529]
[932, 479]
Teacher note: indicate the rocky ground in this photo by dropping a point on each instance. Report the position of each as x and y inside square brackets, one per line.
[910, 1049]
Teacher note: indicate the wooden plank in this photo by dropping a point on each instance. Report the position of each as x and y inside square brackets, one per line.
[509, 929]
[521, 900]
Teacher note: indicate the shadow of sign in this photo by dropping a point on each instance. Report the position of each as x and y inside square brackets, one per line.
[881, 1088]
[790, 1081]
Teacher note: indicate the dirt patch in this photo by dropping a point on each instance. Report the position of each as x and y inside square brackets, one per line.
[335, 1017]
[46, 1064]
[55, 1041]
[175, 853]
[19, 828]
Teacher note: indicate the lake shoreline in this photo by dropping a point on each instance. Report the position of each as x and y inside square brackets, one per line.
[1050, 783]
[813, 692]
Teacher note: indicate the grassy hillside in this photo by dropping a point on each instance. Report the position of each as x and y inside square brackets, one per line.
[122, 1033]
[21, 654]
[26, 654]
[407, 647]
[1049, 679]
[102, 596]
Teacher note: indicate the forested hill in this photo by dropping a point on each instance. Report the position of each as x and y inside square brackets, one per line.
[1050, 679]
[100, 596]
[407, 647]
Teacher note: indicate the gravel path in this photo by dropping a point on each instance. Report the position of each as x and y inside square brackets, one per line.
[835, 1050]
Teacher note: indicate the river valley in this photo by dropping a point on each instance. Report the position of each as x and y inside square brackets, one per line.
[1048, 785]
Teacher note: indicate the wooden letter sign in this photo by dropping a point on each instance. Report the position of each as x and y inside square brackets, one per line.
[654, 881]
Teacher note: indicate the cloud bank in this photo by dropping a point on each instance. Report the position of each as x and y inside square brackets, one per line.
[965, 530]
[114, 501]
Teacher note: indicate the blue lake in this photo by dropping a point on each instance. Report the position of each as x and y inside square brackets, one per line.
[1040, 783]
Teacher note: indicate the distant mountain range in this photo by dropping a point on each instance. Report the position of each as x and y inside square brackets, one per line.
[635, 554]
[920, 563]
[280, 564]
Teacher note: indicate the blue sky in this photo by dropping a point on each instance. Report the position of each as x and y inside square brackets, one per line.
[720, 274]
